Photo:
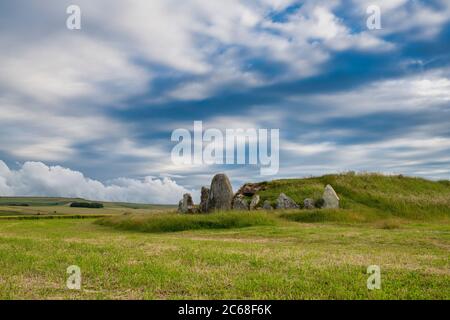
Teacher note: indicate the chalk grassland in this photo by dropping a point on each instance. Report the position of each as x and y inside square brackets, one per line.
[134, 252]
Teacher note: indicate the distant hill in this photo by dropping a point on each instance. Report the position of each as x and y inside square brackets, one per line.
[371, 194]
[54, 201]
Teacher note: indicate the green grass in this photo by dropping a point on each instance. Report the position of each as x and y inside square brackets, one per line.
[345, 217]
[288, 260]
[325, 216]
[37, 201]
[149, 252]
[371, 196]
[59, 202]
[39, 207]
[174, 222]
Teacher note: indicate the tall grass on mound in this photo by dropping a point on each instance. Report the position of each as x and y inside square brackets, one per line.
[173, 222]
[381, 221]
[399, 196]
[327, 215]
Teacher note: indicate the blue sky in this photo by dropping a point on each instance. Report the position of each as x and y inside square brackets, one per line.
[90, 112]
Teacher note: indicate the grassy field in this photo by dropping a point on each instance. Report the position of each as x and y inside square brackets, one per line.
[287, 261]
[145, 253]
[33, 206]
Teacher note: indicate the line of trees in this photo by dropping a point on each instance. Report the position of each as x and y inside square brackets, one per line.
[94, 205]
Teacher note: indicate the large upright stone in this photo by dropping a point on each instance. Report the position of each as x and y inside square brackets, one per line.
[187, 204]
[204, 200]
[284, 202]
[330, 198]
[255, 201]
[239, 203]
[220, 193]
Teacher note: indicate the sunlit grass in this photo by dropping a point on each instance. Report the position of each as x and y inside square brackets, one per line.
[287, 260]
[143, 252]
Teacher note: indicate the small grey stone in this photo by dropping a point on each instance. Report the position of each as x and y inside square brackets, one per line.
[204, 200]
[309, 204]
[187, 204]
[284, 202]
[239, 203]
[267, 205]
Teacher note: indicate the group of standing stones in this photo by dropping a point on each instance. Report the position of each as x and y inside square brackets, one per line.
[220, 197]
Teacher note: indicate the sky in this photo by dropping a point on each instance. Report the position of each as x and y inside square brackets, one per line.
[90, 112]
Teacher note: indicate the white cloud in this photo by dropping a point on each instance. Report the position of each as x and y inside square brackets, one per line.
[36, 132]
[401, 95]
[55, 84]
[412, 153]
[319, 25]
[69, 67]
[37, 179]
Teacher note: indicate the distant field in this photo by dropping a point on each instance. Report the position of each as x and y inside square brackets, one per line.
[128, 251]
[19, 206]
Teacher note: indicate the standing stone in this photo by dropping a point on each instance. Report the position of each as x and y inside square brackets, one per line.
[255, 201]
[220, 193]
[284, 202]
[204, 200]
[187, 204]
[239, 203]
[267, 205]
[309, 204]
[180, 206]
[331, 199]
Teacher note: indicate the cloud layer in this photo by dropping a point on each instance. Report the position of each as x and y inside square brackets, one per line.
[37, 179]
[104, 100]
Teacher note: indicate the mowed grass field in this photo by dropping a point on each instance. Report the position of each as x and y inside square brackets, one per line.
[153, 253]
[289, 260]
